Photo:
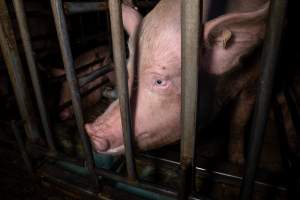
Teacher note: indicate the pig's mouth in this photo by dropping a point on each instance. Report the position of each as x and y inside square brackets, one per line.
[114, 151]
[118, 150]
[102, 146]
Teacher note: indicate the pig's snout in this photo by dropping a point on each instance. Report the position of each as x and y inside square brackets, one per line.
[100, 144]
[106, 131]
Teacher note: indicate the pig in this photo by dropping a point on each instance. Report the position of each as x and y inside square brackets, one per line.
[155, 46]
[101, 53]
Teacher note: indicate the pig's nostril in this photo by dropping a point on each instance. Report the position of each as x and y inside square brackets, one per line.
[101, 145]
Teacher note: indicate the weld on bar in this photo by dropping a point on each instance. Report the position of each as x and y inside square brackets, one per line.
[16, 73]
[61, 28]
[122, 82]
[23, 27]
[191, 28]
[268, 63]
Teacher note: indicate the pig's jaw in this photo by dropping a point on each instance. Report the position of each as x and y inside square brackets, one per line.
[114, 151]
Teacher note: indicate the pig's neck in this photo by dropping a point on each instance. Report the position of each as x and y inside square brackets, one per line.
[216, 91]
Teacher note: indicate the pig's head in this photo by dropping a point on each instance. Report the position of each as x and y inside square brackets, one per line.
[158, 93]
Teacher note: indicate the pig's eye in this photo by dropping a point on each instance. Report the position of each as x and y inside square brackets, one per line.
[161, 83]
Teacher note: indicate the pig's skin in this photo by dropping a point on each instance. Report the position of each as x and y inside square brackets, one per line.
[101, 53]
[158, 95]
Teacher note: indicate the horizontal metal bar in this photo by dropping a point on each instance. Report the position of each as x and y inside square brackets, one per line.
[64, 42]
[107, 175]
[217, 174]
[191, 29]
[122, 83]
[84, 7]
[268, 63]
[147, 186]
[16, 73]
[104, 69]
[84, 80]
[23, 27]
[83, 94]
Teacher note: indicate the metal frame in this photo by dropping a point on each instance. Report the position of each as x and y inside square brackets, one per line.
[191, 29]
[118, 44]
[68, 61]
[23, 27]
[13, 62]
[269, 60]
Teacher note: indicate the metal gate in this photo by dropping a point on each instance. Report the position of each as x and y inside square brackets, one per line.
[191, 29]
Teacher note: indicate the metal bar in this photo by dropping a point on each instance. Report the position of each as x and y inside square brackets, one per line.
[23, 27]
[142, 185]
[262, 107]
[191, 28]
[115, 177]
[78, 70]
[71, 8]
[84, 7]
[94, 75]
[83, 94]
[22, 147]
[68, 61]
[122, 83]
[16, 73]
[217, 174]
[83, 80]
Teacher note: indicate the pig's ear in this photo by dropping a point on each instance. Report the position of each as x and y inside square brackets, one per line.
[230, 37]
[131, 19]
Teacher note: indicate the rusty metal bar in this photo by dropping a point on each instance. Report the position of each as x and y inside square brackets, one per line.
[122, 83]
[78, 70]
[83, 94]
[61, 28]
[191, 28]
[84, 80]
[268, 63]
[23, 27]
[12, 59]
[84, 7]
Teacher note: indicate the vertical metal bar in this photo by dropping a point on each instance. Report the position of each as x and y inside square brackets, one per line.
[64, 42]
[191, 29]
[23, 27]
[22, 147]
[16, 73]
[122, 82]
[262, 107]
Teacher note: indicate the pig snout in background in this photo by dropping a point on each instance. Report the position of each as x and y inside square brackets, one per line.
[227, 38]
[100, 55]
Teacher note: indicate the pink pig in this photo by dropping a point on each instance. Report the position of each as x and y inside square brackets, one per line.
[227, 38]
[101, 53]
